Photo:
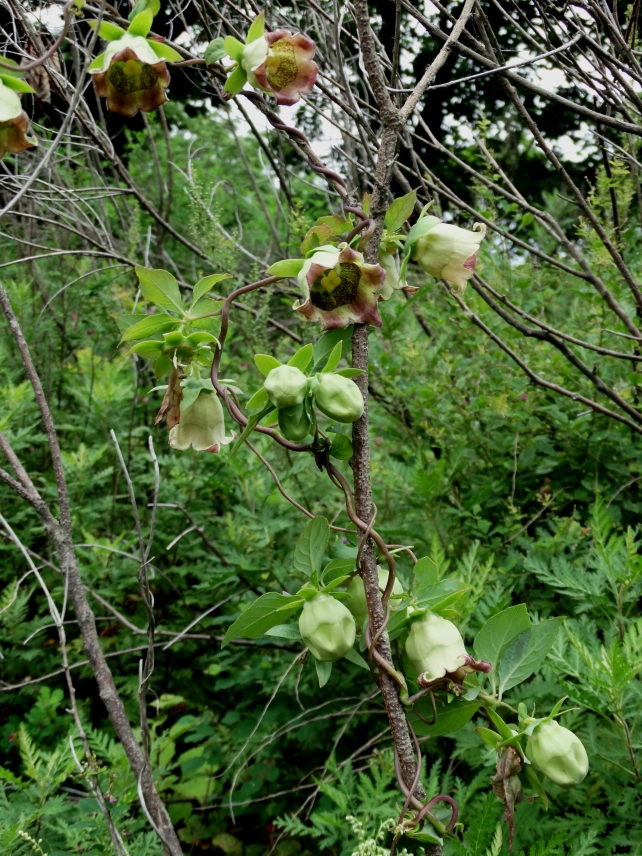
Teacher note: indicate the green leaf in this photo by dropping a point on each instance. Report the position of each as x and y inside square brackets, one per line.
[164, 51]
[257, 28]
[159, 287]
[490, 738]
[536, 784]
[450, 718]
[442, 595]
[341, 447]
[301, 360]
[334, 359]
[15, 83]
[207, 284]
[337, 568]
[96, 63]
[499, 631]
[426, 574]
[236, 81]
[311, 546]
[162, 365]
[266, 612]
[354, 657]
[233, 48]
[399, 211]
[142, 5]
[286, 268]
[350, 372]
[107, 31]
[285, 631]
[505, 732]
[258, 400]
[215, 51]
[141, 24]
[148, 326]
[527, 653]
[252, 422]
[265, 363]
[327, 342]
[324, 670]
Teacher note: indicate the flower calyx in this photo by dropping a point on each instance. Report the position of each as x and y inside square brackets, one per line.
[14, 123]
[132, 72]
[277, 63]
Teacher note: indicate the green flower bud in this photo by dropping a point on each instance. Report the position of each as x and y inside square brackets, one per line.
[294, 423]
[174, 339]
[434, 646]
[357, 603]
[327, 628]
[286, 386]
[339, 398]
[558, 753]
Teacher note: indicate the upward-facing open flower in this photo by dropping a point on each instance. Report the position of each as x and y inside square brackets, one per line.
[201, 426]
[13, 120]
[281, 64]
[339, 288]
[132, 74]
[277, 63]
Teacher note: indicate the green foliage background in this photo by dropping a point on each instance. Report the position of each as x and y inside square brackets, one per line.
[517, 491]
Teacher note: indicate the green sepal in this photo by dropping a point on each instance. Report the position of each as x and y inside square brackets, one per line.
[141, 24]
[233, 48]
[142, 5]
[258, 400]
[324, 670]
[286, 268]
[335, 583]
[215, 51]
[109, 32]
[265, 363]
[284, 631]
[257, 28]
[164, 51]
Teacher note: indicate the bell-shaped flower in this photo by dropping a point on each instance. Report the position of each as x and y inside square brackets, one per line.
[558, 753]
[327, 628]
[448, 252]
[436, 650]
[339, 288]
[14, 123]
[277, 63]
[357, 601]
[201, 426]
[390, 263]
[131, 74]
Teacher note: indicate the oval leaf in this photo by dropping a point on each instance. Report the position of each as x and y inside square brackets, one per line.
[262, 615]
[265, 363]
